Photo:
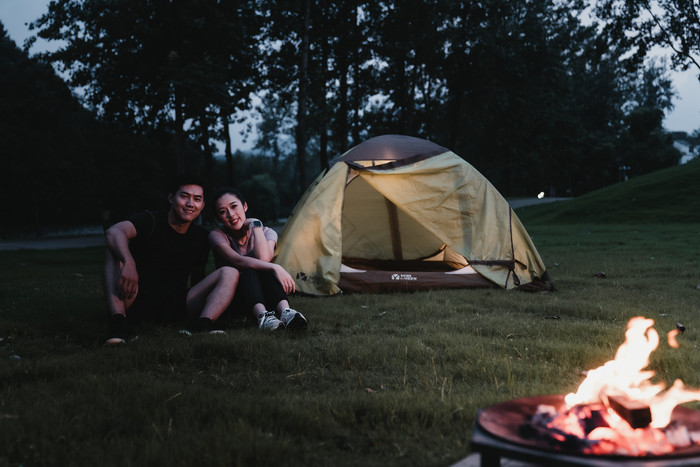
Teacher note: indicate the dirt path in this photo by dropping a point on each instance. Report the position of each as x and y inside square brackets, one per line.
[519, 203]
[52, 243]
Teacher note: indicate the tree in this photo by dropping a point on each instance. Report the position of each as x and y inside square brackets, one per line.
[645, 146]
[651, 86]
[514, 75]
[58, 160]
[409, 64]
[155, 64]
[524, 90]
[295, 67]
[642, 24]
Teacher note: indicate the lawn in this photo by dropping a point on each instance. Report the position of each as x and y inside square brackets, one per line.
[376, 380]
[393, 379]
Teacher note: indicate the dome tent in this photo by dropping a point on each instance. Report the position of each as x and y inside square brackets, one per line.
[402, 213]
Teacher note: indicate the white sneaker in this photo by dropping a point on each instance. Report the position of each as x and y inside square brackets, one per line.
[292, 319]
[268, 322]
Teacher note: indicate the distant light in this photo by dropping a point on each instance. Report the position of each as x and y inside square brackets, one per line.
[541, 195]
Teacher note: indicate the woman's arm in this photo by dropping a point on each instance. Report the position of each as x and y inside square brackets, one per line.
[261, 246]
[227, 255]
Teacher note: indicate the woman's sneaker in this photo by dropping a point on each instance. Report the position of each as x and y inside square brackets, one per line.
[268, 322]
[292, 319]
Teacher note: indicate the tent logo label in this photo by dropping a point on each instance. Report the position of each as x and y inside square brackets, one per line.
[312, 278]
[403, 277]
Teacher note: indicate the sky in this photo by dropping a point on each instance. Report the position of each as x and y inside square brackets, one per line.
[15, 14]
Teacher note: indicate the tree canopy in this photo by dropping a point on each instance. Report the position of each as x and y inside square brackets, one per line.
[181, 66]
[530, 93]
[641, 25]
[63, 166]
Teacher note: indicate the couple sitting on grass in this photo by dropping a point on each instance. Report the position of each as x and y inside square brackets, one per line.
[152, 258]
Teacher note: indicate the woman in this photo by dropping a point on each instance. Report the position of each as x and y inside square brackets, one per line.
[248, 246]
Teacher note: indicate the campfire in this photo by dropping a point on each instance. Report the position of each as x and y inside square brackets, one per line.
[616, 412]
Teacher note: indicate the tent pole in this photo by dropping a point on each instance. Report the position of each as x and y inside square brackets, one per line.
[394, 229]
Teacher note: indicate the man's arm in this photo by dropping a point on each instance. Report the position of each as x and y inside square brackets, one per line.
[117, 242]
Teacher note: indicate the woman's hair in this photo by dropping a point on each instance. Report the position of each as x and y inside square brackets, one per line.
[225, 191]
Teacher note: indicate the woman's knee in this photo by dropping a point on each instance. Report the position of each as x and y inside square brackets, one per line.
[228, 274]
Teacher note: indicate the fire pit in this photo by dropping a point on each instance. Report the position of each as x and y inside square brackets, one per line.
[502, 431]
[617, 417]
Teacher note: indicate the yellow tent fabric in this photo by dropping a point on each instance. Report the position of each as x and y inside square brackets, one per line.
[404, 210]
[310, 246]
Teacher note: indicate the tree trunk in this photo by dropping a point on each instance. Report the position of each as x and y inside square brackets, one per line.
[180, 162]
[323, 102]
[405, 97]
[356, 100]
[341, 136]
[206, 151]
[344, 45]
[228, 153]
[301, 130]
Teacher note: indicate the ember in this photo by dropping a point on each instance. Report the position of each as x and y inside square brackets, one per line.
[617, 410]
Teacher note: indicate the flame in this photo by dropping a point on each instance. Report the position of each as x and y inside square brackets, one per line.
[626, 375]
[672, 342]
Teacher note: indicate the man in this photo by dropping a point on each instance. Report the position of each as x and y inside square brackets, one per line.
[152, 258]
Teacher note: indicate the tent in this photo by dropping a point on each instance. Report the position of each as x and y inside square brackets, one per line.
[402, 213]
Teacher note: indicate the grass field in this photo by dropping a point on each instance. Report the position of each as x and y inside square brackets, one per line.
[376, 380]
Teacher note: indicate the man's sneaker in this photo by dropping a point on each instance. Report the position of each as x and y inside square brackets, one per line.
[268, 322]
[120, 330]
[292, 319]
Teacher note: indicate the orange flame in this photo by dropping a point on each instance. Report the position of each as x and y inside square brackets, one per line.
[672, 342]
[625, 375]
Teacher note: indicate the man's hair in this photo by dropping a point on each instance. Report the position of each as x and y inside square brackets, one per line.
[182, 180]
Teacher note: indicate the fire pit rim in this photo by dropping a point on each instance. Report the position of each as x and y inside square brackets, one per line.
[503, 420]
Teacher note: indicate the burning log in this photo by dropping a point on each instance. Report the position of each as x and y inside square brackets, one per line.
[553, 428]
[678, 435]
[636, 413]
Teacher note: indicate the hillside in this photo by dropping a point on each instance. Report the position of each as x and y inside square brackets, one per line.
[666, 196]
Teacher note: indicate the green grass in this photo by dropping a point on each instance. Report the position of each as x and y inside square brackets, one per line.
[377, 379]
[667, 196]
